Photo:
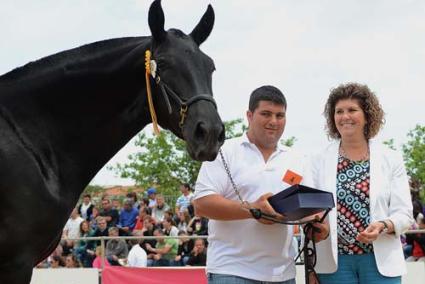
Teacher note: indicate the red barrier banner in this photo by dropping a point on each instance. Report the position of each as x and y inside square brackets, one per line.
[127, 275]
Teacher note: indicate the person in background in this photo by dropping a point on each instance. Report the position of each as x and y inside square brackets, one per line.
[184, 200]
[110, 214]
[165, 250]
[198, 257]
[371, 188]
[137, 256]
[159, 209]
[151, 197]
[71, 231]
[127, 218]
[85, 209]
[116, 249]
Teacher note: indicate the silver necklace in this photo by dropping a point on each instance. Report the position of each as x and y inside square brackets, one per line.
[364, 158]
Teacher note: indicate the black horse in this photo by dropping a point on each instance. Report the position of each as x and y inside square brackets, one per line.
[64, 116]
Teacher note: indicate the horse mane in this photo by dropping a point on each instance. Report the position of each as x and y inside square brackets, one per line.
[63, 58]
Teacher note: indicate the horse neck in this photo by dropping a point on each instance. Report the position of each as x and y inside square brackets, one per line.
[86, 107]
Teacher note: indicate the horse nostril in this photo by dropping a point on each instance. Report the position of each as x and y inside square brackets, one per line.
[200, 131]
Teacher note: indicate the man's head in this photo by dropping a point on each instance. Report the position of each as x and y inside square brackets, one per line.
[159, 233]
[106, 204]
[160, 200]
[200, 245]
[86, 199]
[128, 204]
[101, 223]
[151, 193]
[185, 188]
[113, 232]
[266, 116]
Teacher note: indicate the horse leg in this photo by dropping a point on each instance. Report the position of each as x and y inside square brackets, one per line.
[15, 273]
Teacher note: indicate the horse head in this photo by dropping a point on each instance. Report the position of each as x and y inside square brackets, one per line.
[183, 84]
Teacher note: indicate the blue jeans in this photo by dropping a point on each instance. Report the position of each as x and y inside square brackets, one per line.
[357, 269]
[231, 279]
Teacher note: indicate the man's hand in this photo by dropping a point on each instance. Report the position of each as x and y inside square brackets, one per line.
[263, 204]
[371, 233]
[320, 231]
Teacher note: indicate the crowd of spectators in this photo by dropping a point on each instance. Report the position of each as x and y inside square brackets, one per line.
[151, 216]
[142, 217]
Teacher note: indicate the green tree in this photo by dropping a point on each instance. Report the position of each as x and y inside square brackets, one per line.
[164, 162]
[414, 157]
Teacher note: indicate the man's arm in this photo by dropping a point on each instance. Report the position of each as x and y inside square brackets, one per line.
[217, 207]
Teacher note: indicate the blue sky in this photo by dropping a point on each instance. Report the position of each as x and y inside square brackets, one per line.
[303, 47]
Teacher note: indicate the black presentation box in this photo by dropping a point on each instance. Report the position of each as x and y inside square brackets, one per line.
[299, 201]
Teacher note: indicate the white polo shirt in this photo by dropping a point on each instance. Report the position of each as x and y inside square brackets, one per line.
[247, 248]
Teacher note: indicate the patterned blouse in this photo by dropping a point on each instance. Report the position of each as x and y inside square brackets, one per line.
[353, 205]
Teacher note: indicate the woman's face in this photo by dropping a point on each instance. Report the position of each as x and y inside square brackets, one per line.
[85, 227]
[69, 262]
[350, 119]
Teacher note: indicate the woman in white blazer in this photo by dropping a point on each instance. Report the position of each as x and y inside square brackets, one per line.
[371, 190]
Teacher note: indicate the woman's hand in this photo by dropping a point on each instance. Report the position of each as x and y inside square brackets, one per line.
[371, 233]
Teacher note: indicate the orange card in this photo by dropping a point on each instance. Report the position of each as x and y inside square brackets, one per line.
[292, 178]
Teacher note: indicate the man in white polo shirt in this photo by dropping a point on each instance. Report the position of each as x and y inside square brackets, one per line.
[241, 249]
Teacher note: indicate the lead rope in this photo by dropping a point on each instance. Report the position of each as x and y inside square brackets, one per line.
[148, 68]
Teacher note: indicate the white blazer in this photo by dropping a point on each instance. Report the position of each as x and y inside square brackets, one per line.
[389, 199]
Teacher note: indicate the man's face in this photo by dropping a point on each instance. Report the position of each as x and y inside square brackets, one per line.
[106, 204]
[160, 201]
[183, 189]
[199, 245]
[266, 124]
[86, 200]
[102, 224]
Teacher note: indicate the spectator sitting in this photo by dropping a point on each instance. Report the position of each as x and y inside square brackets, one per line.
[417, 241]
[148, 229]
[85, 209]
[102, 229]
[71, 261]
[56, 261]
[159, 209]
[165, 250]
[97, 262]
[115, 248]
[93, 217]
[198, 226]
[133, 197]
[185, 248]
[116, 204]
[84, 250]
[169, 228]
[138, 228]
[184, 200]
[184, 219]
[111, 215]
[198, 257]
[137, 256]
[71, 231]
[151, 197]
[127, 219]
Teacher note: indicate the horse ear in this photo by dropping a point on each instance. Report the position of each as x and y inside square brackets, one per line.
[156, 21]
[201, 32]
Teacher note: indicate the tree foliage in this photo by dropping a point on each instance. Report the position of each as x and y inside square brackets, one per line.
[164, 163]
[414, 156]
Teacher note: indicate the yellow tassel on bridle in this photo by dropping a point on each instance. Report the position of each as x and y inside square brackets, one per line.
[149, 93]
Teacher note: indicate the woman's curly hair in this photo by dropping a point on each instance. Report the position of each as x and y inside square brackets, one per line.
[369, 103]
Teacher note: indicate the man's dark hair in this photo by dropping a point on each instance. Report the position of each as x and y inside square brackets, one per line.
[186, 185]
[266, 93]
[87, 195]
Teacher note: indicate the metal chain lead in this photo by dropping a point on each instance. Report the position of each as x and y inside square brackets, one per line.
[226, 167]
